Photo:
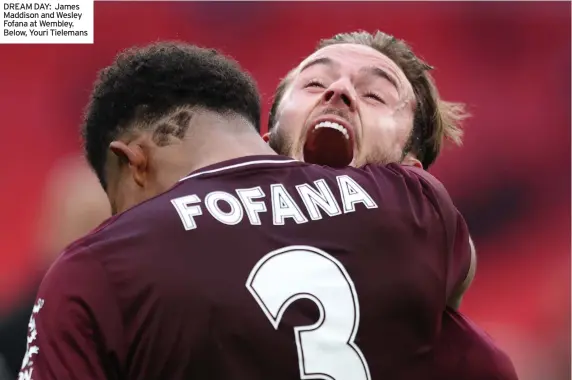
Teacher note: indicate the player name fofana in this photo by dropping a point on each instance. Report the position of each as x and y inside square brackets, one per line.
[247, 204]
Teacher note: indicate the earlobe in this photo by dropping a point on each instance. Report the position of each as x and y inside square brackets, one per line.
[412, 161]
[266, 136]
[133, 156]
[417, 164]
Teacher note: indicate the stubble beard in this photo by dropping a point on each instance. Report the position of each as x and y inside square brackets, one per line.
[280, 143]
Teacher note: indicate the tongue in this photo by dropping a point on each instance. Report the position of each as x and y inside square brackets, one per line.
[329, 147]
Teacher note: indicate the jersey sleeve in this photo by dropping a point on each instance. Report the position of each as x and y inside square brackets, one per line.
[74, 328]
[429, 203]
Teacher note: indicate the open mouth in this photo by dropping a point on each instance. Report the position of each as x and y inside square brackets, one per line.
[329, 143]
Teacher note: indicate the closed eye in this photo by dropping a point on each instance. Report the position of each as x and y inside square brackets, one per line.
[315, 83]
[375, 97]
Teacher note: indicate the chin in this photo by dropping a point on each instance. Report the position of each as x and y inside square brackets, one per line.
[294, 154]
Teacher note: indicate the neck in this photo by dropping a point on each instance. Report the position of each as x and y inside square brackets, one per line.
[213, 138]
[225, 147]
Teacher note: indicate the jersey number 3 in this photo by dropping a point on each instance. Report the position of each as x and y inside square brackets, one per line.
[326, 349]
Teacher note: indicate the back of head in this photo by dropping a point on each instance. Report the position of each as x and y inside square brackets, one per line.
[145, 89]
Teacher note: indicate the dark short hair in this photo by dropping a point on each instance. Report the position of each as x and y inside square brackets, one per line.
[434, 119]
[143, 85]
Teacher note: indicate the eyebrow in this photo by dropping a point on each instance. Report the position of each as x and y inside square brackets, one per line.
[318, 61]
[382, 74]
[376, 71]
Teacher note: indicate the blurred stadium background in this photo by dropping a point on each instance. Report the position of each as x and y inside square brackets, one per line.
[510, 62]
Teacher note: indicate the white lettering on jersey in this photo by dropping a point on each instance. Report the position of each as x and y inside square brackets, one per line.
[283, 206]
[234, 216]
[188, 210]
[322, 198]
[317, 200]
[253, 208]
[353, 193]
[31, 349]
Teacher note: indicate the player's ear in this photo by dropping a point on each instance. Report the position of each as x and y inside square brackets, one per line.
[411, 160]
[133, 156]
[266, 136]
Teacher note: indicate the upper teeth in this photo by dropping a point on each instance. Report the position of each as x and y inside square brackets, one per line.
[336, 126]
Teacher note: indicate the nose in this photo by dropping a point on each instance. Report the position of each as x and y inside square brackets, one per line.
[339, 94]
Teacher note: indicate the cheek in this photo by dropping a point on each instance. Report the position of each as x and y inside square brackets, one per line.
[292, 117]
[380, 128]
[383, 136]
[377, 141]
[388, 130]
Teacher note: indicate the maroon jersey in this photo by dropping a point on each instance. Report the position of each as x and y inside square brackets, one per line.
[261, 267]
[462, 351]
